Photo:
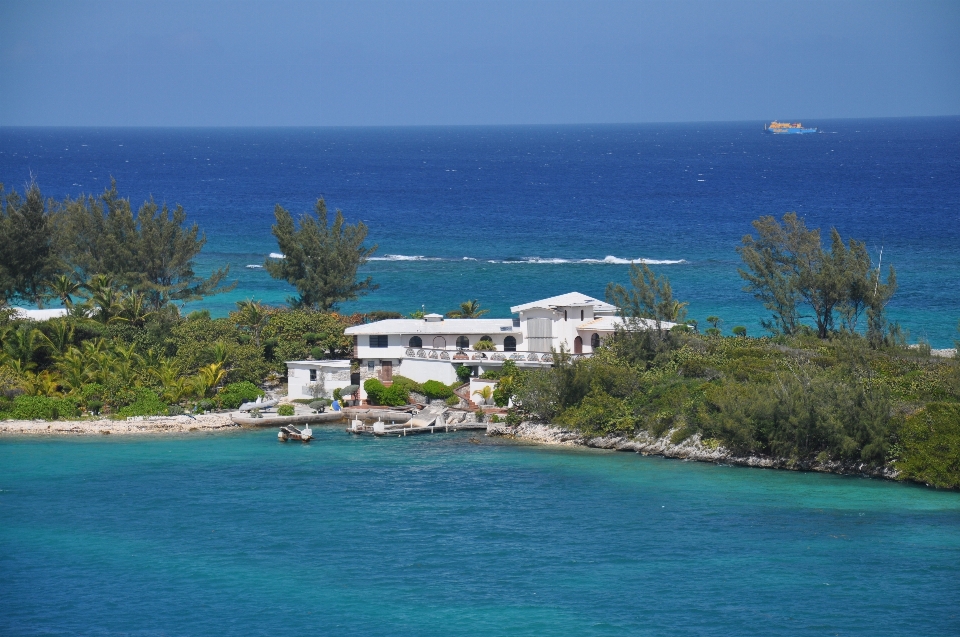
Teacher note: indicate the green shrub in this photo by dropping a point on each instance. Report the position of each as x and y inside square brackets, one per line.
[740, 331]
[484, 346]
[146, 403]
[337, 395]
[174, 410]
[374, 389]
[94, 406]
[395, 396]
[463, 374]
[204, 405]
[436, 389]
[43, 408]
[318, 405]
[494, 418]
[408, 384]
[453, 401]
[316, 352]
[235, 394]
[929, 446]
[285, 410]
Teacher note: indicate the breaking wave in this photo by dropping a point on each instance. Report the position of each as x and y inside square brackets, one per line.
[277, 255]
[608, 260]
[404, 257]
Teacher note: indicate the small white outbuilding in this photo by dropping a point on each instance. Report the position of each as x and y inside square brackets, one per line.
[302, 376]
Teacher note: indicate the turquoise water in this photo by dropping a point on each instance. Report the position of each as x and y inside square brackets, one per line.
[236, 534]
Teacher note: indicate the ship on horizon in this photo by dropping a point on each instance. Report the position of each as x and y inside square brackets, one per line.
[788, 128]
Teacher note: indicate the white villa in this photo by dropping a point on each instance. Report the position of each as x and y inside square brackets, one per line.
[433, 347]
[302, 375]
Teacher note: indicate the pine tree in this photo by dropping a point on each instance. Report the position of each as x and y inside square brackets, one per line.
[320, 259]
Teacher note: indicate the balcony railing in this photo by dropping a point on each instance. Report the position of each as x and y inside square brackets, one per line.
[463, 355]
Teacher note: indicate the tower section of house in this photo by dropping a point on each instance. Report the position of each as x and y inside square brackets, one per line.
[564, 320]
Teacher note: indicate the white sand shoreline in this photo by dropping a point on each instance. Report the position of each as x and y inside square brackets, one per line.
[104, 426]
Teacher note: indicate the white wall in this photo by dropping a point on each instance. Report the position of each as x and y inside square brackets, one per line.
[298, 378]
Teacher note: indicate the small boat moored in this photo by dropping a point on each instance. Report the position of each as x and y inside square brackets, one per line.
[289, 432]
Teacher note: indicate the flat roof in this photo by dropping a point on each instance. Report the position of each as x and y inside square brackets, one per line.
[446, 326]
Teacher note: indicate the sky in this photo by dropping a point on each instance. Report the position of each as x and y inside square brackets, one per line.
[369, 63]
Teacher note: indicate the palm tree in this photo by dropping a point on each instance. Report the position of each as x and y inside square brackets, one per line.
[172, 383]
[253, 316]
[74, 370]
[485, 393]
[20, 345]
[207, 378]
[61, 335]
[64, 288]
[468, 309]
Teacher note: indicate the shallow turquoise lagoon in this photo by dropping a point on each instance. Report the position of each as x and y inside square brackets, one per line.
[237, 534]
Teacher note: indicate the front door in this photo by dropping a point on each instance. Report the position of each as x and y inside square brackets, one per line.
[386, 371]
[578, 345]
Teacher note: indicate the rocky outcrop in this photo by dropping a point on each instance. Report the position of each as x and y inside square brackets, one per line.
[691, 448]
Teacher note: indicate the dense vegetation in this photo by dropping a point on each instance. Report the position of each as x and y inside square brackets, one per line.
[823, 393]
[124, 347]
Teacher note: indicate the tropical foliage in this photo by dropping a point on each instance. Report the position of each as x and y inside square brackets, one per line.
[320, 258]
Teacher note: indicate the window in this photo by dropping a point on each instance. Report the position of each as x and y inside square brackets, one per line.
[416, 341]
[516, 322]
[313, 375]
[564, 315]
[463, 342]
[595, 341]
[510, 344]
[439, 342]
[378, 341]
[486, 338]
[581, 315]
[371, 365]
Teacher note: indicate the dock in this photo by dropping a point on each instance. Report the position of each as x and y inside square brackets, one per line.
[428, 421]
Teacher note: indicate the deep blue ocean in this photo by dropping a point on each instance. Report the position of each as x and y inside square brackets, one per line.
[511, 214]
[238, 534]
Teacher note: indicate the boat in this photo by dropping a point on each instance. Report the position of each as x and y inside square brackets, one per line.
[289, 432]
[788, 128]
[259, 404]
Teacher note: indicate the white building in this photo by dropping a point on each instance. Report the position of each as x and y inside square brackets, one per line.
[433, 347]
[334, 374]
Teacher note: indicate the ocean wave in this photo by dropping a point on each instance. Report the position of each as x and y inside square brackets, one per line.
[404, 257]
[277, 255]
[254, 266]
[608, 260]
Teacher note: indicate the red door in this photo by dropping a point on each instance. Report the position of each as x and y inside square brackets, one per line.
[578, 345]
[386, 371]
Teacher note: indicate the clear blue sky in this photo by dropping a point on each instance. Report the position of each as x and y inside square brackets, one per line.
[278, 63]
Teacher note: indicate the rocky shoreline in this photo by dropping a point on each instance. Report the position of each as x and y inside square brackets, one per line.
[104, 426]
[692, 448]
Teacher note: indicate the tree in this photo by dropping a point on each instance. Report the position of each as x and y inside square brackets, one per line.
[27, 259]
[468, 310]
[787, 267]
[151, 253]
[320, 259]
[651, 297]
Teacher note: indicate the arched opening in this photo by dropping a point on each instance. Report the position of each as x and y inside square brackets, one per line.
[595, 341]
[578, 345]
[416, 341]
[439, 342]
[510, 344]
[463, 342]
[486, 338]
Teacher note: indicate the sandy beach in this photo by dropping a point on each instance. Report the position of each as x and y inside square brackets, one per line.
[104, 426]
